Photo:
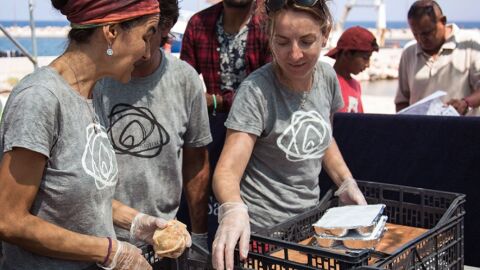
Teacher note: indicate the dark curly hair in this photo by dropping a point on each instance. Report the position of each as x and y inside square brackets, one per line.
[169, 12]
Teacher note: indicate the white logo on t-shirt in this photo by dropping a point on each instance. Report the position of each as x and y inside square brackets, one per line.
[352, 104]
[98, 159]
[307, 136]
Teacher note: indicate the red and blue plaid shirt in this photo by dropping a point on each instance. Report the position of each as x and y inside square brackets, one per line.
[201, 49]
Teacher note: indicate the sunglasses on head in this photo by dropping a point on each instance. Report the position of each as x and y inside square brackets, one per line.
[276, 5]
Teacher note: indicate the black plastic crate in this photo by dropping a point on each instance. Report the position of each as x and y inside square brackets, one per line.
[439, 212]
[440, 249]
[183, 262]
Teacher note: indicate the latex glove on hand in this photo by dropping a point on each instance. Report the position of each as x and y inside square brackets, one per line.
[126, 257]
[143, 227]
[201, 240]
[234, 224]
[348, 193]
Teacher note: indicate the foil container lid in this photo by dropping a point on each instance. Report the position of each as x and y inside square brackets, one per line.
[354, 240]
[350, 217]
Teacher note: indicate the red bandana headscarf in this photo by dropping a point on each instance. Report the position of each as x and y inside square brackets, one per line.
[91, 13]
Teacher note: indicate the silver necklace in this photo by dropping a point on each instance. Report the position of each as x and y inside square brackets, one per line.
[93, 115]
[305, 96]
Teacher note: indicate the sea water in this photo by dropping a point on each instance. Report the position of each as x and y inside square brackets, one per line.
[47, 46]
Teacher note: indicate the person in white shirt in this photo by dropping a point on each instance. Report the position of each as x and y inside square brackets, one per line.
[444, 58]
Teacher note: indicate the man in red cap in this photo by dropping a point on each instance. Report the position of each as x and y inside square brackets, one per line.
[352, 56]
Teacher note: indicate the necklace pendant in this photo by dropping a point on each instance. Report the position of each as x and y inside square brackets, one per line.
[303, 100]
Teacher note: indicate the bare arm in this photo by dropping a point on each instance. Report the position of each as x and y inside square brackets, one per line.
[18, 189]
[122, 214]
[196, 173]
[474, 98]
[231, 165]
[219, 101]
[233, 216]
[334, 164]
[462, 105]
[401, 106]
[402, 96]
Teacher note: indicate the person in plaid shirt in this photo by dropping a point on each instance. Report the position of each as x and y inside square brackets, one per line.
[225, 43]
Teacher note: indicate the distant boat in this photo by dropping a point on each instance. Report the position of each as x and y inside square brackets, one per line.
[11, 53]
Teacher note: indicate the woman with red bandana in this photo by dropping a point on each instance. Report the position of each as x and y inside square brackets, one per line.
[58, 170]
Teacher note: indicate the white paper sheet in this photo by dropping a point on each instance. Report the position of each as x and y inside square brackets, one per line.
[431, 105]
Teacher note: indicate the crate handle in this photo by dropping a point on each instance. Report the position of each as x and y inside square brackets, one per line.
[453, 207]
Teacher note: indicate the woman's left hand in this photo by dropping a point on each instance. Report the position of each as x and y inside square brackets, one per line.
[349, 193]
[143, 227]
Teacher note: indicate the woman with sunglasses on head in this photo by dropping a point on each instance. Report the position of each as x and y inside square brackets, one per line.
[58, 170]
[279, 133]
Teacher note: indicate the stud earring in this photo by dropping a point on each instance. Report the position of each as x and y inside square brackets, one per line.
[109, 50]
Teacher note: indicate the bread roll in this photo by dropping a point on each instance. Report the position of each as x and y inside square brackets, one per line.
[171, 241]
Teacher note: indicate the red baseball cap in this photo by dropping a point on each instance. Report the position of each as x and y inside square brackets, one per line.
[355, 38]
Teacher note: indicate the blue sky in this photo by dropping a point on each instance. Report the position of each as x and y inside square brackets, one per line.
[456, 10]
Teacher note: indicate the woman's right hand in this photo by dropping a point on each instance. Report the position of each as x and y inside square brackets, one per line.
[234, 224]
[127, 257]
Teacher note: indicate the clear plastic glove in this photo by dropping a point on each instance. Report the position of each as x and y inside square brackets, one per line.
[201, 240]
[143, 227]
[348, 193]
[234, 224]
[127, 257]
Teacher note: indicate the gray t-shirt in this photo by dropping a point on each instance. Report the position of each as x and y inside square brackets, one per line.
[44, 114]
[150, 119]
[293, 129]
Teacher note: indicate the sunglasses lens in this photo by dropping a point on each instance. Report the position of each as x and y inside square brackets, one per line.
[306, 3]
[274, 5]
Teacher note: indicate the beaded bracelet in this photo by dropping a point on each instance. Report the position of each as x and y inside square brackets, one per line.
[108, 252]
[214, 112]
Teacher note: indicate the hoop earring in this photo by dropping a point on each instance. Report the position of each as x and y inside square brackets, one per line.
[109, 50]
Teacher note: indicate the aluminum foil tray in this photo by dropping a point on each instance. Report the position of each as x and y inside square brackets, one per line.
[337, 221]
[353, 240]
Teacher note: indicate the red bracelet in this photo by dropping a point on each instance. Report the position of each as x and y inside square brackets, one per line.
[468, 103]
[108, 252]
